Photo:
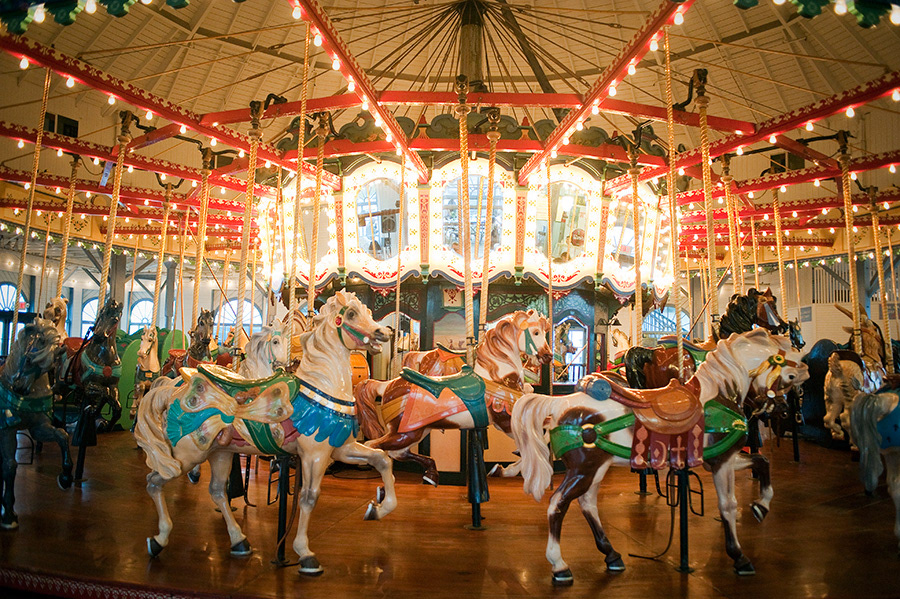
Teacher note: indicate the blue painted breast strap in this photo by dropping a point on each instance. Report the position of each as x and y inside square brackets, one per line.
[889, 429]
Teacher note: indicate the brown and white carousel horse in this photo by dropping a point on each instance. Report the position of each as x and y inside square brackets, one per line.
[682, 425]
[412, 406]
[214, 414]
[25, 403]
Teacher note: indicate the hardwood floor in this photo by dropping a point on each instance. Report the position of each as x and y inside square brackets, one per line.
[823, 537]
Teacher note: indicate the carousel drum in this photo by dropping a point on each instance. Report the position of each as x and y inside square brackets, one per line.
[359, 367]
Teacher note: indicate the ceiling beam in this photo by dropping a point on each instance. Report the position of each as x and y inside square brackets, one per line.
[630, 54]
[335, 46]
[86, 74]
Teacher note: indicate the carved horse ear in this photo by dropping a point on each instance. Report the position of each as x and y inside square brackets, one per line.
[844, 311]
[340, 298]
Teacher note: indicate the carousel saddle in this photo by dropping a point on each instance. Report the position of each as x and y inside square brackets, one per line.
[465, 387]
[450, 354]
[237, 386]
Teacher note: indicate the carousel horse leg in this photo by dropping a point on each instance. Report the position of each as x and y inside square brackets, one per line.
[510, 471]
[220, 463]
[759, 464]
[892, 463]
[313, 470]
[194, 474]
[588, 503]
[155, 483]
[8, 444]
[357, 453]
[46, 432]
[576, 483]
[723, 479]
[115, 405]
[431, 476]
[397, 446]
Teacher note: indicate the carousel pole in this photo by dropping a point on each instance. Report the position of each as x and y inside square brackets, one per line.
[124, 139]
[893, 277]
[30, 206]
[137, 240]
[224, 291]
[298, 186]
[40, 295]
[181, 247]
[702, 104]
[255, 134]
[734, 242]
[550, 273]
[399, 259]
[462, 87]
[779, 247]
[638, 306]
[255, 253]
[848, 228]
[796, 281]
[67, 228]
[879, 257]
[200, 255]
[690, 299]
[321, 132]
[674, 226]
[753, 237]
[493, 136]
[160, 258]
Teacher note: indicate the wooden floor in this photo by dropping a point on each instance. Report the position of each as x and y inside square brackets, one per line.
[823, 538]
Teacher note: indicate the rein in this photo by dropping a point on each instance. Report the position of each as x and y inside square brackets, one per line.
[341, 324]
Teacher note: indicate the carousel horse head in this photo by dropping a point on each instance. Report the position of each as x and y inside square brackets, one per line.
[872, 338]
[107, 322]
[268, 350]
[202, 333]
[754, 309]
[532, 340]
[344, 322]
[57, 313]
[33, 353]
[148, 355]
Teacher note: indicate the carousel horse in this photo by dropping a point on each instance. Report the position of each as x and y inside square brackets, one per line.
[874, 426]
[850, 372]
[563, 348]
[25, 403]
[681, 425]
[413, 404]
[267, 351]
[57, 313]
[91, 368]
[197, 352]
[148, 367]
[213, 414]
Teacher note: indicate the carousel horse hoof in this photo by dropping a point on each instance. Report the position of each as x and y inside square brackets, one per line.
[759, 512]
[614, 563]
[379, 495]
[428, 479]
[309, 566]
[9, 521]
[497, 470]
[153, 548]
[371, 512]
[563, 579]
[193, 477]
[743, 567]
[241, 549]
[64, 481]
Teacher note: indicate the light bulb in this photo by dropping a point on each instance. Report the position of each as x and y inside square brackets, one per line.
[87, 194]
[182, 129]
[351, 85]
[268, 164]
[297, 13]
[162, 176]
[70, 82]
[240, 153]
[579, 126]
[388, 137]
[853, 176]
[840, 7]
[21, 144]
[895, 96]
[130, 168]
[90, 7]
[887, 205]
[681, 171]
[595, 109]
[632, 69]
[111, 100]
[679, 18]
[317, 40]
[149, 115]
[23, 64]
[336, 63]
[817, 183]
[58, 190]
[39, 15]
[772, 139]
[892, 168]
[740, 150]
[27, 185]
[59, 153]
[794, 214]
[565, 140]
[778, 2]
[146, 2]
[212, 141]
[850, 112]
[365, 103]
[193, 184]
[612, 90]
[831, 230]
[809, 126]
[824, 211]
[750, 195]
[782, 189]
[96, 161]
[654, 45]
[895, 15]
[378, 121]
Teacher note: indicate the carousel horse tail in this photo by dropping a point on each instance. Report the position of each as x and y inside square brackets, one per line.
[834, 366]
[150, 431]
[366, 393]
[867, 410]
[528, 417]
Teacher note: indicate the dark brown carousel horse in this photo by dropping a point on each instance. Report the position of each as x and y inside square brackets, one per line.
[197, 352]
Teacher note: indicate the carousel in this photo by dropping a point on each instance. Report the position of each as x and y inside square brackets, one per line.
[387, 287]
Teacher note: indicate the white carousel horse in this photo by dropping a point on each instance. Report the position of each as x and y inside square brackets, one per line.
[605, 424]
[148, 365]
[498, 359]
[849, 372]
[57, 312]
[312, 415]
[875, 428]
[268, 349]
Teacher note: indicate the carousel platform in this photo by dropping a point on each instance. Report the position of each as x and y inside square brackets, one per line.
[823, 537]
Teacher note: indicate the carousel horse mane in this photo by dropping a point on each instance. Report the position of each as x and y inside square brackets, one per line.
[635, 359]
[740, 314]
[319, 350]
[723, 370]
[57, 313]
[32, 352]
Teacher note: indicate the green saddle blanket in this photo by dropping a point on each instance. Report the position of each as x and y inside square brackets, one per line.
[466, 385]
[234, 384]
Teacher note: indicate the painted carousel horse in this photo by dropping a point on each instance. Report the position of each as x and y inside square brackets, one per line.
[682, 425]
[875, 428]
[214, 413]
[197, 352]
[57, 313]
[563, 348]
[267, 351]
[25, 403]
[90, 369]
[148, 367]
[413, 404]
[850, 372]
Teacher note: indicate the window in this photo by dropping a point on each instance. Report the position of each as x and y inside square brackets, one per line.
[88, 316]
[7, 301]
[478, 187]
[658, 323]
[227, 317]
[141, 316]
[378, 212]
[569, 215]
[570, 357]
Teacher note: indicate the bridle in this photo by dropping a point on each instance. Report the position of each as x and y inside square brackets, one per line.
[776, 363]
[342, 326]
